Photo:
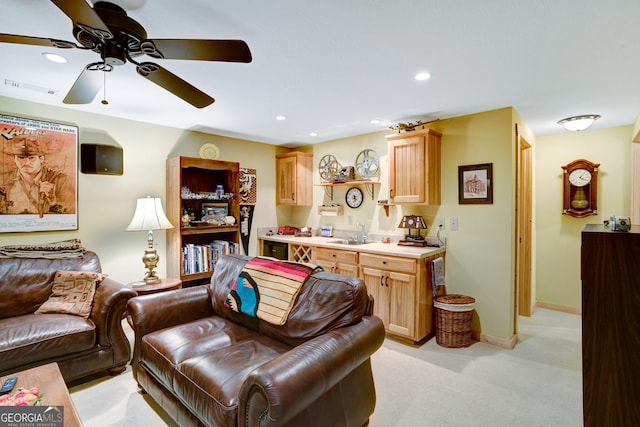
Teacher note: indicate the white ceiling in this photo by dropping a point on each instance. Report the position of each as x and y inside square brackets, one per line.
[331, 66]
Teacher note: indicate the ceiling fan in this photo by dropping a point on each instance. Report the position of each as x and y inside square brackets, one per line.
[107, 30]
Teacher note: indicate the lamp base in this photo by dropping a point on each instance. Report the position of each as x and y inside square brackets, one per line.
[412, 242]
[150, 260]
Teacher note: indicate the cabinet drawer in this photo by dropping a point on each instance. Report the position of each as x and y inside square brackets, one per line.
[405, 265]
[337, 255]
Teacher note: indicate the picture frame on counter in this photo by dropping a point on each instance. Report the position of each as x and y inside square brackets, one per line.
[475, 184]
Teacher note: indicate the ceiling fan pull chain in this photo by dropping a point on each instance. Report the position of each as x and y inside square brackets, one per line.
[104, 88]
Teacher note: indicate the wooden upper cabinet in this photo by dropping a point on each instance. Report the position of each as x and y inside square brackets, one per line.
[414, 167]
[294, 181]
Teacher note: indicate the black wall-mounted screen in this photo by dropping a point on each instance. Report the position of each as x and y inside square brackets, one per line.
[101, 159]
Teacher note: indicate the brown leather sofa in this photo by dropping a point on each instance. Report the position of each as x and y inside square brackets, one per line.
[208, 365]
[80, 346]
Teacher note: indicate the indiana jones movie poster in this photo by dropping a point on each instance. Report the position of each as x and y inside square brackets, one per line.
[38, 175]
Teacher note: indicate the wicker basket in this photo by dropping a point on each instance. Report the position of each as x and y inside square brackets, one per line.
[453, 320]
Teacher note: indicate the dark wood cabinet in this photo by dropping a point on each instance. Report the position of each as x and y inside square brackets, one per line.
[610, 271]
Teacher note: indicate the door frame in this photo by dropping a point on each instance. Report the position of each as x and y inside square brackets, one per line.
[524, 224]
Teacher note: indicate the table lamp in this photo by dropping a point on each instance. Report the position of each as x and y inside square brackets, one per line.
[149, 216]
[413, 222]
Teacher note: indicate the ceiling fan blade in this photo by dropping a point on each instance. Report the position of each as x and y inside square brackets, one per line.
[36, 41]
[86, 87]
[200, 50]
[84, 16]
[174, 84]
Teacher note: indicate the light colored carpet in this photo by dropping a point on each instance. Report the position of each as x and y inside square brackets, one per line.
[539, 383]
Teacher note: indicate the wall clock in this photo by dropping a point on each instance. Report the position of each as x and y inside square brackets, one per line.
[354, 197]
[209, 151]
[580, 188]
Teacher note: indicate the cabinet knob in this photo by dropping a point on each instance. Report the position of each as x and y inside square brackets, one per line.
[384, 262]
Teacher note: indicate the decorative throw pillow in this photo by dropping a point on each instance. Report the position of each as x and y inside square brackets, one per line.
[72, 293]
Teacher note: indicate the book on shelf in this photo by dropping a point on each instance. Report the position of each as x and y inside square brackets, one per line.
[202, 258]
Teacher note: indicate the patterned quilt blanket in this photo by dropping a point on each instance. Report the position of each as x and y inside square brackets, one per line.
[71, 248]
[267, 288]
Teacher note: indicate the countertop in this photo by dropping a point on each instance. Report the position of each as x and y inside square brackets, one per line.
[375, 247]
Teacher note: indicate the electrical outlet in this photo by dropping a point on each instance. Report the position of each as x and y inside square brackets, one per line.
[453, 224]
[440, 223]
[350, 219]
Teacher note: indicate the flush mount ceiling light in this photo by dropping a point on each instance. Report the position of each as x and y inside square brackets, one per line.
[423, 76]
[281, 118]
[577, 123]
[53, 57]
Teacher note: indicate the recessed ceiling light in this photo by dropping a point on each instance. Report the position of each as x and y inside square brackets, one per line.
[374, 121]
[313, 134]
[54, 57]
[423, 76]
[281, 118]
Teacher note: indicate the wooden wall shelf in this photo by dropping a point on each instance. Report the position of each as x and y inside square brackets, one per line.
[328, 186]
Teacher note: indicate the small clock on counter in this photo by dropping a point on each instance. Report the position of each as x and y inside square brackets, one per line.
[580, 188]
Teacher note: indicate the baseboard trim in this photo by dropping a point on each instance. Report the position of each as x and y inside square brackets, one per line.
[558, 307]
[507, 343]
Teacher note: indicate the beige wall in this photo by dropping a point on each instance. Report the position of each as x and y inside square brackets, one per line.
[106, 203]
[480, 259]
[558, 236]
[479, 255]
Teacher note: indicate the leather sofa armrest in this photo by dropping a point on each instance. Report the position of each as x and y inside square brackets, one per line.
[109, 303]
[278, 390]
[149, 313]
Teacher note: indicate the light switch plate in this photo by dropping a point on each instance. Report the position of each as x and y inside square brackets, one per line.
[453, 224]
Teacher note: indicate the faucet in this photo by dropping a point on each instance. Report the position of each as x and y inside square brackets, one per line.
[362, 235]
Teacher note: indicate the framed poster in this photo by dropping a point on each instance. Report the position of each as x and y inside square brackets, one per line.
[38, 175]
[475, 184]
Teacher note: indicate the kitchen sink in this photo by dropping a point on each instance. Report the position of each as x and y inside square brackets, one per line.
[351, 242]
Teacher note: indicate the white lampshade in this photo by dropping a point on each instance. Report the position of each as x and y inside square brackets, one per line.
[577, 123]
[149, 216]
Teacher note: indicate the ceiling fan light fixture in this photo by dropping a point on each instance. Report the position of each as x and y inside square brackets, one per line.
[578, 123]
[54, 57]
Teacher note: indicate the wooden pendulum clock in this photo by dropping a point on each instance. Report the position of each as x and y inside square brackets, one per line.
[580, 188]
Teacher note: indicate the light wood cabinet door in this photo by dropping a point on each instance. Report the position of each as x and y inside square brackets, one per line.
[406, 170]
[402, 298]
[393, 299]
[374, 280]
[414, 167]
[294, 182]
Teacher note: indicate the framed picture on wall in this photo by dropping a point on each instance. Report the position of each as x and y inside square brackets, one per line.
[475, 184]
[38, 175]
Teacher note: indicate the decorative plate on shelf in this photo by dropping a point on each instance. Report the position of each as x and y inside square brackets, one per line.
[210, 152]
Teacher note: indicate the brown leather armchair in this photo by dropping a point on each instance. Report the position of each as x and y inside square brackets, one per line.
[80, 346]
[208, 365]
